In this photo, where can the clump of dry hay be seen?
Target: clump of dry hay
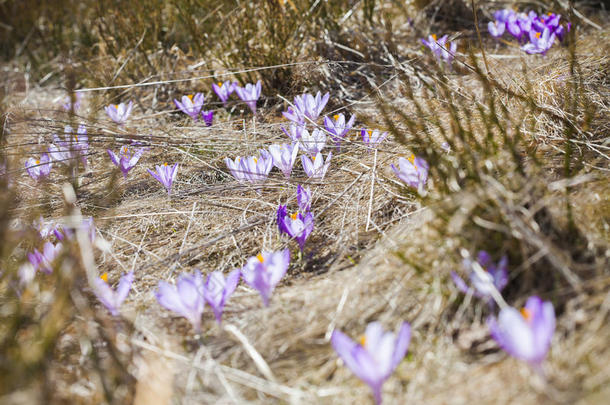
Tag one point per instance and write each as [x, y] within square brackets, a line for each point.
[391, 266]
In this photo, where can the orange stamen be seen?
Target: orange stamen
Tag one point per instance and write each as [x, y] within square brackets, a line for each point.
[336, 117]
[104, 277]
[38, 162]
[537, 35]
[260, 257]
[526, 314]
[165, 164]
[190, 96]
[434, 36]
[294, 216]
[363, 341]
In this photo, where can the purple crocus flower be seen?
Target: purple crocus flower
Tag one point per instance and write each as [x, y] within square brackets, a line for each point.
[119, 112]
[295, 132]
[525, 334]
[71, 147]
[312, 142]
[303, 198]
[42, 260]
[298, 225]
[191, 104]
[68, 105]
[165, 175]
[38, 169]
[224, 90]
[217, 290]
[256, 169]
[338, 128]
[376, 356]
[235, 168]
[413, 172]
[306, 106]
[284, 156]
[112, 299]
[495, 277]
[513, 25]
[372, 139]
[539, 42]
[208, 117]
[265, 270]
[127, 158]
[496, 28]
[440, 49]
[185, 298]
[249, 94]
[62, 232]
[316, 167]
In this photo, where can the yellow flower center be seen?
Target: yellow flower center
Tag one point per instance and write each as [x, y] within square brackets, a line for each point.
[336, 117]
[537, 35]
[117, 106]
[363, 341]
[190, 96]
[260, 257]
[165, 164]
[255, 160]
[294, 216]
[434, 36]
[38, 162]
[104, 277]
[412, 160]
[370, 133]
[526, 314]
[219, 84]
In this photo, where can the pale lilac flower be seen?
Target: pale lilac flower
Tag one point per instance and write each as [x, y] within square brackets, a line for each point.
[38, 169]
[68, 105]
[185, 298]
[525, 334]
[250, 94]
[43, 260]
[191, 105]
[413, 172]
[539, 42]
[295, 132]
[312, 142]
[439, 47]
[255, 169]
[224, 90]
[495, 277]
[217, 290]
[338, 128]
[371, 138]
[376, 356]
[112, 299]
[303, 198]
[496, 28]
[73, 145]
[265, 270]
[316, 167]
[306, 106]
[284, 156]
[208, 117]
[235, 168]
[298, 225]
[127, 158]
[165, 175]
[119, 112]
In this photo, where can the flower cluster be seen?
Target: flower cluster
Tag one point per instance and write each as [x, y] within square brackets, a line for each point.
[536, 32]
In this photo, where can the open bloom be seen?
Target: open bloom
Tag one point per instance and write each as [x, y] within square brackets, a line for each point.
[316, 167]
[312, 142]
[165, 175]
[253, 169]
[208, 117]
[43, 260]
[73, 146]
[496, 28]
[250, 94]
[295, 131]
[303, 198]
[119, 112]
[439, 47]
[126, 159]
[525, 334]
[540, 42]
[306, 106]
[265, 270]
[284, 156]
[413, 172]
[338, 128]
[112, 299]
[376, 356]
[39, 168]
[372, 139]
[217, 290]
[495, 277]
[191, 104]
[224, 90]
[185, 298]
[298, 225]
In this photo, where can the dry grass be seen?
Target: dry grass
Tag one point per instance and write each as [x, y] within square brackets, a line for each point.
[390, 266]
